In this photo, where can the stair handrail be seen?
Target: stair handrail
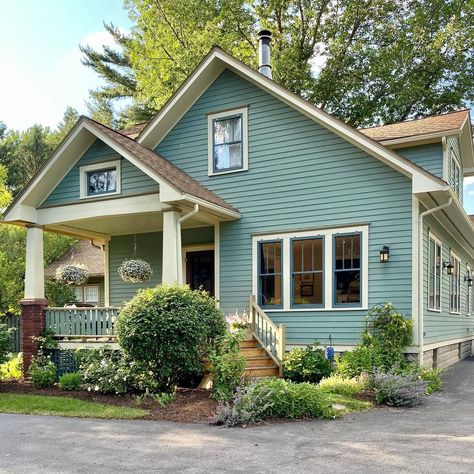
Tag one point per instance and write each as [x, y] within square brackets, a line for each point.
[273, 338]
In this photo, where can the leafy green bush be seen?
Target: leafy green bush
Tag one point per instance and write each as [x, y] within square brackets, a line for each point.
[306, 365]
[275, 398]
[342, 385]
[398, 389]
[433, 379]
[170, 330]
[71, 381]
[12, 369]
[58, 294]
[362, 359]
[42, 372]
[5, 343]
[227, 366]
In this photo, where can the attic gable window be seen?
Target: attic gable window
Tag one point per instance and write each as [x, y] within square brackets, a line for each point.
[227, 135]
[455, 178]
[100, 179]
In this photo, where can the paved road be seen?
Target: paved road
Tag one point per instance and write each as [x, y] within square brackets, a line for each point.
[437, 437]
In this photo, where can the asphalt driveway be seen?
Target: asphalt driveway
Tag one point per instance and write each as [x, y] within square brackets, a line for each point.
[437, 437]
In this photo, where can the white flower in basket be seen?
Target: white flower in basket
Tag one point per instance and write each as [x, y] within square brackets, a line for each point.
[135, 271]
[76, 274]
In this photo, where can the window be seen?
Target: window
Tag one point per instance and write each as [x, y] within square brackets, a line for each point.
[228, 141]
[468, 292]
[455, 285]
[313, 270]
[455, 177]
[100, 179]
[347, 269]
[434, 277]
[307, 271]
[270, 274]
[87, 294]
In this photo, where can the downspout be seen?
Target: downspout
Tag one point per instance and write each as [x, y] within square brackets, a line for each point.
[178, 239]
[420, 276]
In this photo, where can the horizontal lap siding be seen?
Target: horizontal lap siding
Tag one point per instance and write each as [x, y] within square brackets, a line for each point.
[429, 157]
[149, 248]
[300, 176]
[442, 326]
[133, 180]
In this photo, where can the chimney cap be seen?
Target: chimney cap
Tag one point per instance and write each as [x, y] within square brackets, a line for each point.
[264, 33]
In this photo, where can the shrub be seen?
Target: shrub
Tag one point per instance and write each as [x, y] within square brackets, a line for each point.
[5, 343]
[71, 381]
[433, 379]
[170, 330]
[398, 389]
[227, 366]
[362, 359]
[59, 294]
[342, 385]
[275, 398]
[42, 372]
[306, 365]
[12, 368]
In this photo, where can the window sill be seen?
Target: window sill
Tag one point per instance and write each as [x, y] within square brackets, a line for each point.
[219, 173]
[434, 310]
[319, 310]
[100, 196]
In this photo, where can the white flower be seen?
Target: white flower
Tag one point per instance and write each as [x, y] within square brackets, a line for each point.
[76, 274]
[135, 271]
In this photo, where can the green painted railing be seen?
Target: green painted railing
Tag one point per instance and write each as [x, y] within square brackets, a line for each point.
[81, 322]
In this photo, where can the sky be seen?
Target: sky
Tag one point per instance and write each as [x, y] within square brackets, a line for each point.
[40, 62]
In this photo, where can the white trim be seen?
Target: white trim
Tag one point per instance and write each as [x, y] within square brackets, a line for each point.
[416, 139]
[435, 345]
[437, 241]
[469, 291]
[415, 262]
[106, 274]
[217, 261]
[218, 60]
[198, 248]
[327, 235]
[83, 170]
[243, 111]
[453, 255]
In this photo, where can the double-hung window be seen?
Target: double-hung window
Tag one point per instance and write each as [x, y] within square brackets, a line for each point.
[270, 274]
[455, 285]
[455, 178]
[468, 293]
[87, 294]
[347, 269]
[434, 277]
[228, 141]
[307, 281]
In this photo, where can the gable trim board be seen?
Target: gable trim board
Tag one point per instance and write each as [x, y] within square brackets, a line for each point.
[217, 60]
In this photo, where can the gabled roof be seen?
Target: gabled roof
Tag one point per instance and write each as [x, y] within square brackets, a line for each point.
[81, 252]
[134, 130]
[214, 64]
[445, 123]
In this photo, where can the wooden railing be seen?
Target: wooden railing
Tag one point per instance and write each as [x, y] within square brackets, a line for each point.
[81, 322]
[267, 333]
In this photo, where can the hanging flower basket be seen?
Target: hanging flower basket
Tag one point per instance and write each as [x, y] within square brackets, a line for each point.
[135, 271]
[76, 274]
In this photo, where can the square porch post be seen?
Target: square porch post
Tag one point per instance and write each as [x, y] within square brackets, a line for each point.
[171, 246]
[34, 302]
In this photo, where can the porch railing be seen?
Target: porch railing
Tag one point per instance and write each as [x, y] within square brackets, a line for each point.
[267, 333]
[81, 322]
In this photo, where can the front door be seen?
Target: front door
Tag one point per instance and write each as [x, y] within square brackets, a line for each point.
[200, 270]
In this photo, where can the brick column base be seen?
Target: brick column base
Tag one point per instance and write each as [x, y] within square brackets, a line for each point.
[33, 323]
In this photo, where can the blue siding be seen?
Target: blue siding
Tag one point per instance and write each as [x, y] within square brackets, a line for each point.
[442, 326]
[300, 176]
[429, 157]
[133, 180]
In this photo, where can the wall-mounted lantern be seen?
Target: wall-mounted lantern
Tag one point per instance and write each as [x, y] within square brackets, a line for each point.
[468, 279]
[449, 267]
[384, 254]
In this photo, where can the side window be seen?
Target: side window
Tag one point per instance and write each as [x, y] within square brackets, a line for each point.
[270, 274]
[347, 270]
[434, 277]
[455, 285]
[228, 143]
[100, 179]
[456, 176]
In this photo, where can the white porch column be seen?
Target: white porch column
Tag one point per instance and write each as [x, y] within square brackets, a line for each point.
[34, 273]
[171, 246]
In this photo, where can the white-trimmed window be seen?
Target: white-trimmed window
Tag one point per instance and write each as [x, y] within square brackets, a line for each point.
[100, 179]
[434, 274]
[468, 292]
[455, 285]
[456, 176]
[87, 294]
[315, 270]
[228, 141]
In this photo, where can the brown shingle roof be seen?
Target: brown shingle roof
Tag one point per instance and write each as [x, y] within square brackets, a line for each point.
[176, 177]
[81, 252]
[437, 123]
[134, 130]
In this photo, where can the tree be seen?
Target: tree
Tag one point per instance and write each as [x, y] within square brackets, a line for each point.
[70, 117]
[365, 61]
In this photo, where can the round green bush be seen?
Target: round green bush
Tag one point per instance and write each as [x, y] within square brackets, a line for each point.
[306, 365]
[4, 342]
[71, 381]
[170, 329]
[42, 372]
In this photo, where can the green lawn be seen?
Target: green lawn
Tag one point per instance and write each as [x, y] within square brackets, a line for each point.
[65, 406]
[346, 404]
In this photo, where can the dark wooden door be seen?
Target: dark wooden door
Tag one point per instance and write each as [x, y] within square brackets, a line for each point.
[200, 270]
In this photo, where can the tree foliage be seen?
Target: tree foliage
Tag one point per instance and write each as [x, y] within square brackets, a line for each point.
[365, 61]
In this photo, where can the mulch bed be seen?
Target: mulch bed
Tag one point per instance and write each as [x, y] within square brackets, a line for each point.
[364, 396]
[189, 406]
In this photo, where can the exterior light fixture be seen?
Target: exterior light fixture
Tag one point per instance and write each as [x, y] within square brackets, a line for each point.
[469, 280]
[384, 254]
[449, 267]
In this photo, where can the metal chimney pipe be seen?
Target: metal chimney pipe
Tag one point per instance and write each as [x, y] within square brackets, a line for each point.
[264, 39]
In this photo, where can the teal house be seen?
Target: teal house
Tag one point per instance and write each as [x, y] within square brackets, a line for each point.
[275, 207]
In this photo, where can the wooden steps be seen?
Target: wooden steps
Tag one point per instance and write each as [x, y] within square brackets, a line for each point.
[257, 362]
